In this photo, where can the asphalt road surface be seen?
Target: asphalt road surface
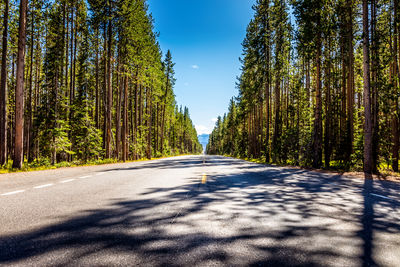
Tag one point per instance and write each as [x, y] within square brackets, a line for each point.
[196, 211]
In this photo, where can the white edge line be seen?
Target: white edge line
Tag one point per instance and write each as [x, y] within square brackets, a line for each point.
[84, 177]
[67, 181]
[43, 186]
[100, 173]
[12, 193]
[379, 196]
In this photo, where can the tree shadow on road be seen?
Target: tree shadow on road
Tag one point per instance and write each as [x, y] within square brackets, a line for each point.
[245, 217]
[368, 221]
[176, 163]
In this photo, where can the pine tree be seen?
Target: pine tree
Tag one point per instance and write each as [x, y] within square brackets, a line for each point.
[314, 85]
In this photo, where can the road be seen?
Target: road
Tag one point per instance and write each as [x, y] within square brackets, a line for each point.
[197, 211]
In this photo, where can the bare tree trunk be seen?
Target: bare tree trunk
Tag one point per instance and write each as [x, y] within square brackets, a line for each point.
[19, 90]
[317, 134]
[120, 90]
[328, 109]
[36, 98]
[149, 121]
[28, 125]
[308, 82]
[267, 85]
[374, 88]
[109, 92]
[97, 107]
[136, 125]
[73, 66]
[368, 160]
[260, 125]
[157, 128]
[140, 121]
[104, 92]
[125, 120]
[395, 133]
[350, 82]
[71, 85]
[66, 46]
[11, 115]
[163, 114]
[395, 114]
[343, 102]
[3, 90]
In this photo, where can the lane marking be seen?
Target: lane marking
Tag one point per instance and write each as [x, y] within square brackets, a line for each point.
[13, 192]
[380, 196]
[100, 173]
[204, 179]
[84, 177]
[43, 186]
[67, 181]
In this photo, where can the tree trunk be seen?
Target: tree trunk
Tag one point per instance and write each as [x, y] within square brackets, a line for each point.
[395, 113]
[350, 82]
[368, 160]
[19, 90]
[29, 104]
[109, 92]
[149, 121]
[66, 46]
[120, 91]
[317, 135]
[374, 88]
[343, 102]
[328, 126]
[71, 90]
[97, 106]
[3, 90]
[163, 113]
[140, 122]
[157, 128]
[308, 82]
[104, 92]
[125, 120]
[38, 64]
[136, 125]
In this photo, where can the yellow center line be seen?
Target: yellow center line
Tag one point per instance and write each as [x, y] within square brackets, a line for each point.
[204, 178]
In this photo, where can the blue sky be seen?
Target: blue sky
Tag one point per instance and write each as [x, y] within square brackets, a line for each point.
[205, 38]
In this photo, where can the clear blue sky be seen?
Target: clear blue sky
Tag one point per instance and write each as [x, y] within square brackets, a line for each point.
[205, 38]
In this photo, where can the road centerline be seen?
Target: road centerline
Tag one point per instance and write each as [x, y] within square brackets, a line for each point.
[13, 193]
[86, 176]
[43, 186]
[67, 181]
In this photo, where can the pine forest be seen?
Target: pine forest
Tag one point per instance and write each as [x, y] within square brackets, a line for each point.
[86, 80]
[319, 86]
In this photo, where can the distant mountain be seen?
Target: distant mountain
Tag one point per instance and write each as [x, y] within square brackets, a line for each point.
[203, 139]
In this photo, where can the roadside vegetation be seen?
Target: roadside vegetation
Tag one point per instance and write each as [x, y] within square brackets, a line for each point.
[45, 164]
[319, 91]
[85, 81]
